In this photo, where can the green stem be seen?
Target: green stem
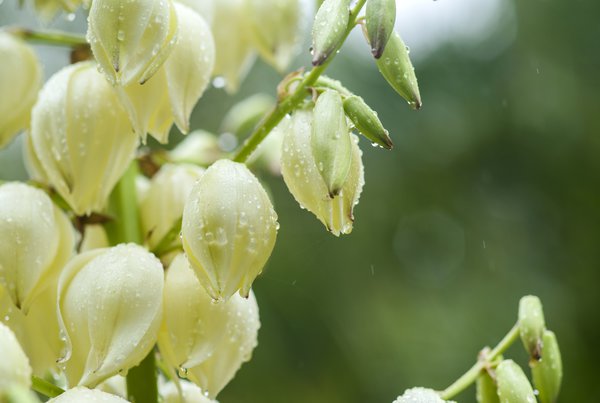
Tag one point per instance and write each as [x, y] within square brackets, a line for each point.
[126, 226]
[142, 381]
[165, 245]
[56, 38]
[471, 375]
[44, 387]
[293, 100]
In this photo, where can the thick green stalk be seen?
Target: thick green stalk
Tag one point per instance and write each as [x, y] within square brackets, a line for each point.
[56, 38]
[471, 375]
[142, 381]
[293, 100]
[44, 387]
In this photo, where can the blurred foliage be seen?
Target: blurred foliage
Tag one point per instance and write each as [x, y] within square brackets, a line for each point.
[491, 192]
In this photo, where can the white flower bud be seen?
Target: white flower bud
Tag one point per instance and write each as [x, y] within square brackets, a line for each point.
[190, 393]
[14, 365]
[37, 242]
[131, 39]
[20, 80]
[303, 179]
[206, 8]
[81, 136]
[229, 229]
[47, 9]
[419, 395]
[234, 53]
[275, 29]
[18, 394]
[94, 237]
[199, 147]
[110, 308]
[206, 341]
[162, 206]
[81, 394]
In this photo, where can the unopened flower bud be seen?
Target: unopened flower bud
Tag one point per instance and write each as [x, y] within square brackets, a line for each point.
[94, 237]
[531, 324]
[234, 52]
[303, 179]
[199, 147]
[246, 114]
[206, 8]
[547, 372]
[229, 229]
[330, 141]
[131, 39]
[329, 29]
[38, 241]
[419, 395]
[395, 66]
[367, 122]
[14, 365]
[81, 394]
[380, 18]
[81, 136]
[206, 341]
[487, 392]
[190, 393]
[274, 29]
[513, 385]
[110, 308]
[20, 80]
[162, 205]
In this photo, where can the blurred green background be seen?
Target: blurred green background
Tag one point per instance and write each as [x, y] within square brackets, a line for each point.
[492, 192]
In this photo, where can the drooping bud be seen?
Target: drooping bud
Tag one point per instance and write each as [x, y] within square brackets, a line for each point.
[380, 18]
[246, 114]
[190, 393]
[20, 80]
[330, 141]
[131, 39]
[367, 122]
[303, 179]
[487, 392]
[329, 29]
[110, 308]
[81, 394]
[547, 372]
[162, 205]
[37, 241]
[14, 365]
[199, 147]
[513, 385]
[419, 395]
[229, 229]
[274, 27]
[395, 66]
[206, 341]
[81, 136]
[234, 52]
[531, 324]
[206, 8]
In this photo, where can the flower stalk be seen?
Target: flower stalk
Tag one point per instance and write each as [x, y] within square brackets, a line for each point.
[55, 38]
[44, 387]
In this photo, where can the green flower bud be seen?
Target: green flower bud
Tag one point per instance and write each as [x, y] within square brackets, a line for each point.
[419, 395]
[531, 324]
[110, 308]
[487, 392]
[234, 52]
[131, 39]
[380, 16]
[14, 365]
[199, 147]
[162, 205]
[329, 29]
[190, 393]
[397, 69]
[330, 141]
[38, 241]
[274, 29]
[20, 80]
[229, 229]
[206, 341]
[303, 179]
[547, 372]
[513, 385]
[81, 394]
[367, 122]
[81, 137]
